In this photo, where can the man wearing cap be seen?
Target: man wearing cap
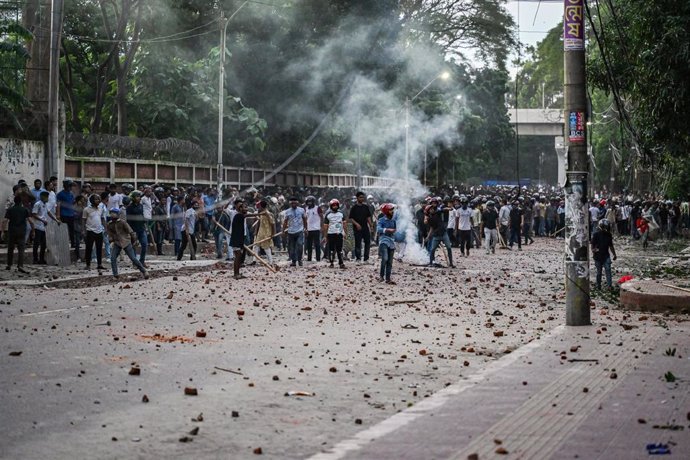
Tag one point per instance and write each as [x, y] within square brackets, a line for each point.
[65, 209]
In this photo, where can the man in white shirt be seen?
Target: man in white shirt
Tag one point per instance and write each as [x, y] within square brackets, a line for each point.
[39, 215]
[147, 205]
[115, 199]
[95, 227]
[504, 222]
[476, 223]
[52, 197]
[463, 225]
[314, 223]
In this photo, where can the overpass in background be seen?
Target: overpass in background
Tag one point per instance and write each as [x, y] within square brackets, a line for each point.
[542, 122]
[537, 122]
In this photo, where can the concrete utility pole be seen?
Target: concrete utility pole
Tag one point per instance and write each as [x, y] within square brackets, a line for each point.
[577, 173]
[53, 163]
[221, 101]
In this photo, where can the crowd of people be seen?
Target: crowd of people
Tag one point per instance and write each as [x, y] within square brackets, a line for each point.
[316, 223]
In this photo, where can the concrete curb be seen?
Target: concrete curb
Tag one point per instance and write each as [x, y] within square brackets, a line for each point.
[655, 296]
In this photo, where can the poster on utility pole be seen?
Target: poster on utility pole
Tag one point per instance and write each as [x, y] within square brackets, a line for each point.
[574, 26]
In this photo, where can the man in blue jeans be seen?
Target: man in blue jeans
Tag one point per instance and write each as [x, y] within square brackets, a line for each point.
[601, 242]
[65, 209]
[386, 228]
[438, 234]
[135, 218]
[122, 237]
[295, 225]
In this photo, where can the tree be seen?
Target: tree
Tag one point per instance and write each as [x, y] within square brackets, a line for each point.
[641, 57]
[13, 55]
[540, 77]
[461, 25]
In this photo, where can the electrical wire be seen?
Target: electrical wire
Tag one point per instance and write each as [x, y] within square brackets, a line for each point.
[625, 118]
[164, 38]
[105, 40]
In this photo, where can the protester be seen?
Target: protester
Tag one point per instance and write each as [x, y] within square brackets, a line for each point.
[438, 235]
[314, 224]
[361, 218]
[95, 227]
[136, 220]
[40, 215]
[385, 229]
[123, 238]
[65, 209]
[295, 225]
[516, 223]
[237, 234]
[264, 234]
[188, 229]
[489, 221]
[504, 224]
[602, 242]
[463, 225]
[18, 219]
[334, 229]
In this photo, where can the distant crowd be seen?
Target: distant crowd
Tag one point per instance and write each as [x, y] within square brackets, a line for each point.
[306, 222]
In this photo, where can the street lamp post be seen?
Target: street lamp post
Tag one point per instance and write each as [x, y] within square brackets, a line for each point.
[408, 102]
[221, 84]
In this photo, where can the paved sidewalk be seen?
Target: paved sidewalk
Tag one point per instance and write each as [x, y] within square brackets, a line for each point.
[586, 392]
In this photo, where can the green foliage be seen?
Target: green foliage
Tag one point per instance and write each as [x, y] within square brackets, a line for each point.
[540, 79]
[647, 47]
[13, 55]
[290, 61]
[669, 377]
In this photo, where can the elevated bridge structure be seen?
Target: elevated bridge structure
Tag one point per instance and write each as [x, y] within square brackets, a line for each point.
[537, 122]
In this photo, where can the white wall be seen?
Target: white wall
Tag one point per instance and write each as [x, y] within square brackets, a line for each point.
[19, 159]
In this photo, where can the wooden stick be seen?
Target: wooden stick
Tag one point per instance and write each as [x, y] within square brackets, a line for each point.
[557, 232]
[255, 242]
[396, 302]
[268, 238]
[263, 262]
[676, 287]
[222, 228]
[500, 239]
[189, 242]
[227, 370]
[443, 251]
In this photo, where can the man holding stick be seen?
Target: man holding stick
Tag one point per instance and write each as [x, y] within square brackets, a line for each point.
[237, 233]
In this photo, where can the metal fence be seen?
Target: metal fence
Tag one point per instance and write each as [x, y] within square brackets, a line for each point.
[102, 171]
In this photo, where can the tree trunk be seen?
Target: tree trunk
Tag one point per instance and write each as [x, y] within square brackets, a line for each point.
[67, 78]
[36, 19]
[122, 71]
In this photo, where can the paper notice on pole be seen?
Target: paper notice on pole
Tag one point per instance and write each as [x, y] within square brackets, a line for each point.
[57, 244]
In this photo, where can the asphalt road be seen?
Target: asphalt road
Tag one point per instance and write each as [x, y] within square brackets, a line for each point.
[360, 350]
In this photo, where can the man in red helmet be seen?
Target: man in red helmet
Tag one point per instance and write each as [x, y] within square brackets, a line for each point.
[385, 229]
[334, 229]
